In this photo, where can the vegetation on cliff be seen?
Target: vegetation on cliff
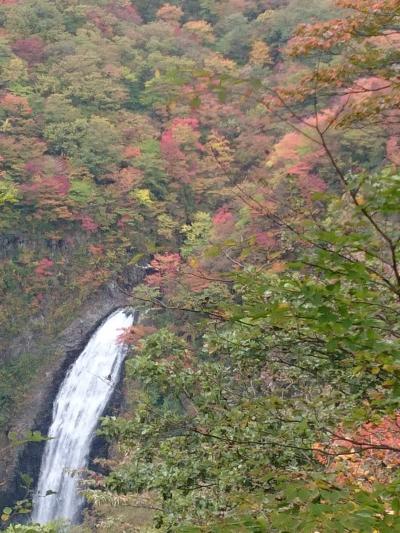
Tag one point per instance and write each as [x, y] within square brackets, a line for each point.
[250, 149]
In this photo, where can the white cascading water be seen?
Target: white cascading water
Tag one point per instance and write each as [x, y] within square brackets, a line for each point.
[81, 400]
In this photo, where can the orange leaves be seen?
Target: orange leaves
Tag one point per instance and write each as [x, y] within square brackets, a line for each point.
[370, 6]
[322, 36]
[169, 13]
[169, 271]
[194, 278]
[260, 54]
[93, 278]
[370, 26]
[289, 148]
[278, 267]
[134, 334]
[360, 23]
[166, 267]
[298, 155]
[370, 453]
[201, 30]
[131, 152]
[97, 250]
[127, 179]
[15, 104]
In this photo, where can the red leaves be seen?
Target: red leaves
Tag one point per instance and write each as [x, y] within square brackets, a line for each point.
[43, 268]
[170, 147]
[166, 268]
[178, 145]
[393, 150]
[44, 187]
[48, 178]
[124, 11]
[188, 122]
[88, 224]
[30, 50]
[181, 131]
[222, 216]
[311, 183]
[265, 239]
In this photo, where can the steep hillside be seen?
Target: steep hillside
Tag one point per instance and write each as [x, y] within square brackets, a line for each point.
[248, 151]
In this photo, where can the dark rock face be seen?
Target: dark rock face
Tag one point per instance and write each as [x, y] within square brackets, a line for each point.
[68, 347]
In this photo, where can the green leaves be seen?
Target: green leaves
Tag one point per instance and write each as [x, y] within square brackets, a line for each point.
[6, 514]
[229, 424]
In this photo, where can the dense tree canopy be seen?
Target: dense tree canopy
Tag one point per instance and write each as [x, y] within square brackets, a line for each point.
[248, 150]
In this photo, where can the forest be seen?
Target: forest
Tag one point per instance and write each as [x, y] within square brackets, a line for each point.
[244, 155]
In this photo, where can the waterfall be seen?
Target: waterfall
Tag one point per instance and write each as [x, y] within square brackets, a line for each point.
[81, 400]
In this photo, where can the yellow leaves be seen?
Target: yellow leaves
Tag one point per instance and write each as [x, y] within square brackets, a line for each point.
[360, 199]
[193, 262]
[185, 134]
[265, 16]
[6, 126]
[143, 196]
[392, 368]
[260, 54]
[219, 147]
[201, 29]
[166, 226]
[16, 70]
[218, 64]
[8, 192]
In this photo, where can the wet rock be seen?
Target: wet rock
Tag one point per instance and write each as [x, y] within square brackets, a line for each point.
[67, 347]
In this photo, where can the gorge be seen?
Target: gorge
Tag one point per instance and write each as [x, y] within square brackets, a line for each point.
[82, 398]
[229, 169]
